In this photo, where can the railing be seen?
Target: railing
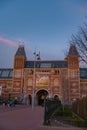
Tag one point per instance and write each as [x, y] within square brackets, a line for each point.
[50, 105]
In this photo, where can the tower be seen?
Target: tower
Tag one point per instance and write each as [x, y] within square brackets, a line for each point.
[18, 71]
[73, 74]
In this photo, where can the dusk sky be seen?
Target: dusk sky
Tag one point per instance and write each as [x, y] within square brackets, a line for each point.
[44, 25]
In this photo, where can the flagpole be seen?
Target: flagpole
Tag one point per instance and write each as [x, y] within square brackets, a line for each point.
[34, 82]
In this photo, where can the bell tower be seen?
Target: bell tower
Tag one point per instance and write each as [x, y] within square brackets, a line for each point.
[18, 74]
[73, 74]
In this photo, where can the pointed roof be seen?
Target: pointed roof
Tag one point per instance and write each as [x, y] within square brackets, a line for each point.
[21, 51]
[73, 50]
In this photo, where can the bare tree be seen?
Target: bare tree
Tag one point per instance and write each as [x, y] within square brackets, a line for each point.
[80, 40]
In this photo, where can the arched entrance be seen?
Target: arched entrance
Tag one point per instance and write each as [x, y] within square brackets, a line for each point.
[30, 99]
[40, 96]
[56, 97]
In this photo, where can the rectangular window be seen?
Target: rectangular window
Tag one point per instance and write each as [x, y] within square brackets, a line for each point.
[5, 73]
[74, 73]
[9, 85]
[17, 74]
[11, 73]
[45, 65]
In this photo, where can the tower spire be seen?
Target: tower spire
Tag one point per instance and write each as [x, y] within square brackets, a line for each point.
[20, 51]
[73, 51]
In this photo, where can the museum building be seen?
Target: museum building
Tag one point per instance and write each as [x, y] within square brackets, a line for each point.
[40, 79]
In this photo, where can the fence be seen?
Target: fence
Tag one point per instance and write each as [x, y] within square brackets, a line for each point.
[80, 107]
[50, 106]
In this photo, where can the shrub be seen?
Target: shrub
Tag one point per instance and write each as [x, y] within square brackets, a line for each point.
[69, 117]
[63, 111]
[78, 122]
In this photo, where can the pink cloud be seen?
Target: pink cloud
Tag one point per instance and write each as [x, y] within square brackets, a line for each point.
[7, 41]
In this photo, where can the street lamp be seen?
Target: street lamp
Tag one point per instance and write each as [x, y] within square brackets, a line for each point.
[36, 57]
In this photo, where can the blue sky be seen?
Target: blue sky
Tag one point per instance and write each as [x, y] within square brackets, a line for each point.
[46, 25]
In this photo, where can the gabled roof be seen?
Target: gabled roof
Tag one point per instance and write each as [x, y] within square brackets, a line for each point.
[73, 50]
[20, 51]
[6, 73]
[46, 64]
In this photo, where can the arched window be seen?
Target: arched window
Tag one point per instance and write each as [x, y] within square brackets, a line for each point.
[56, 97]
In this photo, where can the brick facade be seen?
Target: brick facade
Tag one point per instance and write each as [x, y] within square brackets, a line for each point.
[43, 78]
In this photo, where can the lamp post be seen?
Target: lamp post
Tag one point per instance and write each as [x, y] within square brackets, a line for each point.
[36, 57]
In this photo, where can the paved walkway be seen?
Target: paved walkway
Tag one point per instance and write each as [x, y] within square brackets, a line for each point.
[24, 118]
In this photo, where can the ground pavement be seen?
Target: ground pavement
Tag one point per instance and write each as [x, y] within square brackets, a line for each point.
[25, 118]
